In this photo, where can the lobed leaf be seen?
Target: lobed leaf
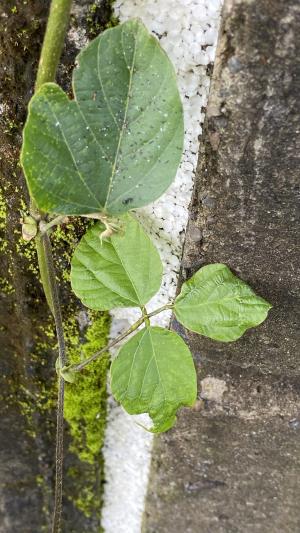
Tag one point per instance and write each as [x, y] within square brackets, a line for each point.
[118, 144]
[219, 305]
[154, 373]
[104, 273]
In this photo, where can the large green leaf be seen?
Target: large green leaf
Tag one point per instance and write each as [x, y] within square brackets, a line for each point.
[154, 373]
[219, 305]
[104, 272]
[118, 144]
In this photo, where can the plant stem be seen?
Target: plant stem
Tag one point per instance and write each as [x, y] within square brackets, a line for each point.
[52, 285]
[46, 226]
[57, 25]
[58, 20]
[145, 318]
[81, 366]
[160, 310]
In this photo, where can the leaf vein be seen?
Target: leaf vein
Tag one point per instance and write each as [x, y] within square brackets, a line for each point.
[123, 125]
[102, 87]
[71, 154]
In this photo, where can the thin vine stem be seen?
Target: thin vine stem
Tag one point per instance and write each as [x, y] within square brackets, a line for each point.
[57, 24]
[61, 385]
[145, 318]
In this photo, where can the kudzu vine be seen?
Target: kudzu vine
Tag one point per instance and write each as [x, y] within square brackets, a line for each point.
[113, 148]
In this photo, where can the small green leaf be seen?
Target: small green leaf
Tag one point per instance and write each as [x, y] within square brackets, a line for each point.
[154, 373]
[118, 144]
[219, 305]
[123, 270]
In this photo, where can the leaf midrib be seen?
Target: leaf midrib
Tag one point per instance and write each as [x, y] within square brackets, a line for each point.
[128, 274]
[133, 361]
[124, 122]
[101, 282]
[157, 368]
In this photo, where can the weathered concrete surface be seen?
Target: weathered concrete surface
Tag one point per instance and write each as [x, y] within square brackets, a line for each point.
[28, 346]
[233, 463]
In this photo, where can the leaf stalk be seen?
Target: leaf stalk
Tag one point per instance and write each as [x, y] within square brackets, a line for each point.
[144, 318]
[44, 226]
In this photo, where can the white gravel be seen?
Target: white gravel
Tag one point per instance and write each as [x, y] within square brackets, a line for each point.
[187, 29]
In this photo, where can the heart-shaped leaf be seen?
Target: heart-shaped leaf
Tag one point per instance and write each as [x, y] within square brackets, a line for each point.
[115, 147]
[219, 305]
[154, 373]
[104, 272]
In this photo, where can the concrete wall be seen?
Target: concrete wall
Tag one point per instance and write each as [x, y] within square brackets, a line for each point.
[233, 463]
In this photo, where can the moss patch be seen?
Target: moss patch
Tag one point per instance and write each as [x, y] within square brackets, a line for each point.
[85, 409]
[100, 16]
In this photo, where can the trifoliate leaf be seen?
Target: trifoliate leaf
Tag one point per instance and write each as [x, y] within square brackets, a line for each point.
[154, 373]
[219, 305]
[104, 271]
[118, 144]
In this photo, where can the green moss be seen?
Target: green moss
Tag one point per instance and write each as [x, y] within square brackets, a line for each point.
[65, 237]
[6, 287]
[100, 17]
[3, 211]
[85, 409]
[27, 251]
[3, 215]
[85, 406]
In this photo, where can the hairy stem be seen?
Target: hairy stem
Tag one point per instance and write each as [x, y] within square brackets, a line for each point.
[58, 20]
[145, 318]
[57, 25]
[80, 366]
[53, 289]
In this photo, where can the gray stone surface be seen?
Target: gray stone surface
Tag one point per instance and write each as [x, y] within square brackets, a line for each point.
[232, 464]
